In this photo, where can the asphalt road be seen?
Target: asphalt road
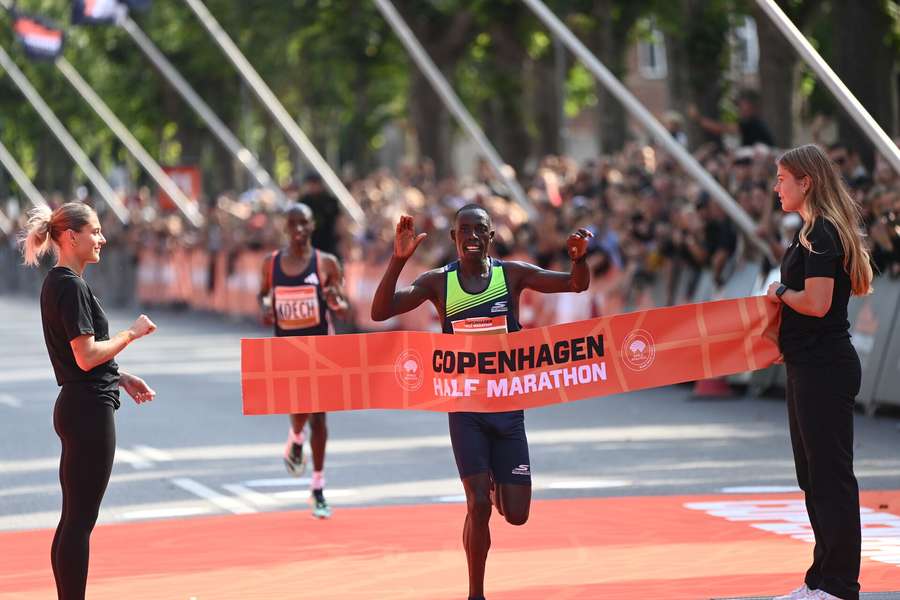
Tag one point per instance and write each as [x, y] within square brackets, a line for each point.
[191, 451]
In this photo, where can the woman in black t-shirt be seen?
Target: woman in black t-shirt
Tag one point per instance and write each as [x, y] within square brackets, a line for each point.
[82, 354]
[824, 265]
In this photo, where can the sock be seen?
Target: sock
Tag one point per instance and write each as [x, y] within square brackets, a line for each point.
[317, 482]
[297, 438]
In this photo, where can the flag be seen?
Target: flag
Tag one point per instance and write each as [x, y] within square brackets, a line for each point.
[41, 39]
[96, 12]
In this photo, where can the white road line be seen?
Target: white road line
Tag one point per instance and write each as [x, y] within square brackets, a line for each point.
[228, 503]
[135, 460]
[250, 496]
[165, 513]
[280, 482]
[151, 453]
[10, 400]
[760, 489]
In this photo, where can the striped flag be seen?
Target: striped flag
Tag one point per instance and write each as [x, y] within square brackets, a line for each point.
[96, 12]
[40, 38]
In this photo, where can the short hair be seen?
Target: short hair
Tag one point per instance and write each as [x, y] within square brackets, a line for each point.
[471, 206]
[295, 207]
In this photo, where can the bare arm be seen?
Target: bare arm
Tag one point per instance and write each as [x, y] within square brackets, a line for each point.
[813, 301]
[554, 282]
[89, 352]
[389, 301]
[265, 290]
[333, 285]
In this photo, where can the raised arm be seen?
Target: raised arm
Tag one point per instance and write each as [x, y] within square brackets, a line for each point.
[554, 282]
[389, 301]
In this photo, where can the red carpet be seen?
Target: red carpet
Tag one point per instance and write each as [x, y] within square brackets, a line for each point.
[615, 548]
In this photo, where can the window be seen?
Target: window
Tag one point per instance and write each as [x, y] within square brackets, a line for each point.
[745, 46]
[652, 54]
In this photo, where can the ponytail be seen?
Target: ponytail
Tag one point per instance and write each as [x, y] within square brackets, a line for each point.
[35, 239]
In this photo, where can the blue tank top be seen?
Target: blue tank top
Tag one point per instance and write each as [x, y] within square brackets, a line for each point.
[298, 300]
[488, 312]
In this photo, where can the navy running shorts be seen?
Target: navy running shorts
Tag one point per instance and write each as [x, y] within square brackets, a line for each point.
[491, 442]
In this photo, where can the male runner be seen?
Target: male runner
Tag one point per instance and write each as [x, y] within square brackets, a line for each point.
[491, 449]
[300, 284]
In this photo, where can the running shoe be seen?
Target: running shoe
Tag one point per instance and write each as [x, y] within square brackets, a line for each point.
[294, 460]
[821, 595]
[321, 510]
[801, 593]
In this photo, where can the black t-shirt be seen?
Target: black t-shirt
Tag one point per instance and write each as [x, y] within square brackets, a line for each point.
[325, 211]
[755, 131]
[806, 339]
[68, 310]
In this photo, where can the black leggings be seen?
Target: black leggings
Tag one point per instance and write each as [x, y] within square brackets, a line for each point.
[87, 429]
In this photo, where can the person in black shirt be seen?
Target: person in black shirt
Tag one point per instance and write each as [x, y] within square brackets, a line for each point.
[82, 354]
[326, 213]
[825, 264]
[750, 126]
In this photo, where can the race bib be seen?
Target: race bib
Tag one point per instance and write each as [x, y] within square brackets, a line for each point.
[297, 307]
[480, 325]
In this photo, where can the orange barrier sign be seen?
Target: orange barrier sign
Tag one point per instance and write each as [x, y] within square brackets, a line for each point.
[492, 373]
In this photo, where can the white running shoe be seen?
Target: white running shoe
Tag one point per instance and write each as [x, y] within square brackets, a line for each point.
[821, 595]
[801, 593]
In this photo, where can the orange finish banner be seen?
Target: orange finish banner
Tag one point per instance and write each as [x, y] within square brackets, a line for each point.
[492, 373]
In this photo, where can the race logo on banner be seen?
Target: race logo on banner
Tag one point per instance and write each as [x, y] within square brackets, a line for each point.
[97, 12]
[493, 373]
[40, 38]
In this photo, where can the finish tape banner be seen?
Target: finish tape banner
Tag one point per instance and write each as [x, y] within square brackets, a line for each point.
[409, 370]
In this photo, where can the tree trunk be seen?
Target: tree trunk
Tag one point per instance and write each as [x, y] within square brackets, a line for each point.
[548, 96]
[696, 56]
[431, 120]
[610, 44]
[777, 73]
[865, 63]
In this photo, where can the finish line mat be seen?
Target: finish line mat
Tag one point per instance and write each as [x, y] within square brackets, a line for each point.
[492, 373]
[667, 548]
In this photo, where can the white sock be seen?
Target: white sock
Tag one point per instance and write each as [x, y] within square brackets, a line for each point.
[297, 438]
[317, 482]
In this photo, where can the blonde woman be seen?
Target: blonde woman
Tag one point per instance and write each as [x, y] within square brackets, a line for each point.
[82, 354]
[822, 268]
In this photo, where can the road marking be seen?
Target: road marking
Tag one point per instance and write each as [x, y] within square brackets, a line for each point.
[132, 458]
[152, 454]
[165, 513]
[10, 400]
[250, 496]
[760, 489]
[280, 482]
[228, 503]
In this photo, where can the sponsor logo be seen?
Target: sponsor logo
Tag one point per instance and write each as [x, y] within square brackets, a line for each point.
[499, 307]
[638, 350]
[522, 470]
[408, 370]
[312, 278]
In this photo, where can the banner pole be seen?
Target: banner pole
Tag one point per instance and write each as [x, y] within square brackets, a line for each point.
[452, 102]
[9, 163]
[215, 124]
[65, 138]
[651, 124]
[277, 110]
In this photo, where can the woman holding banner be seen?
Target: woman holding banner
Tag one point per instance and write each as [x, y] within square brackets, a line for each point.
[82, 354]
[477, 294]
[824, 265]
